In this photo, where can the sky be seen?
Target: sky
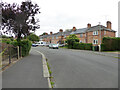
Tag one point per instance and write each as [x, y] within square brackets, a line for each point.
[64, 14]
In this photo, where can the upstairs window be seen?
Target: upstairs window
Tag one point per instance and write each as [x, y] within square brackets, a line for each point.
[95, 32]
[81, 35]
[52, 37]
[104, 32]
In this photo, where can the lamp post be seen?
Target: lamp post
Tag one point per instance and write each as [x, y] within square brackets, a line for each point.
[100, 38]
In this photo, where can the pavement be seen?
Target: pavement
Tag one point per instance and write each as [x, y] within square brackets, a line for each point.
[81, 69]
[26, 73]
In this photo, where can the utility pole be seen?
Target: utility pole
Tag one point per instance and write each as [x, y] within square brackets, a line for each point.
[100, 37]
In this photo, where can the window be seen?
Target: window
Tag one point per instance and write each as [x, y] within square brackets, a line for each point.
[84, 41]
[95, 32]
[104, 32]
[52, 37]
[95, 41]
[81, 35]
[56, 37]
[80, 41]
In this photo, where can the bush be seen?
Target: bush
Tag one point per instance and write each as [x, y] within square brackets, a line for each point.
[110, 44]
[24, 44]
[82, 46]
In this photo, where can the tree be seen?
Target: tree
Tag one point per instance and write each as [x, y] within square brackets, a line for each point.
[71, 39]
[33, 37]
[43, 33]
[20, 19]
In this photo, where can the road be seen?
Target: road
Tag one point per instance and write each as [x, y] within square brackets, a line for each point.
[77, 69]
[26, 73]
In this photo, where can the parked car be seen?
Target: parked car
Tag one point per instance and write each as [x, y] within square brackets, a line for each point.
[61, 45]
[47, 45]
[41, 43]
[34, 45]
[54, 46]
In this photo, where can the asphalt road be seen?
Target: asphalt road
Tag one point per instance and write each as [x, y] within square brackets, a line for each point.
[77, 69]
[26, 73]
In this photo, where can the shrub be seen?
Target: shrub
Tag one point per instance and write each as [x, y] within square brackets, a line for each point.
[82, 46]
[71, 39]
[26, 46]
[88, 46]
[110, 44]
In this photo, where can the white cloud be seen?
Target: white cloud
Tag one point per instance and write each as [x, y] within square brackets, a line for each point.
[64, 14]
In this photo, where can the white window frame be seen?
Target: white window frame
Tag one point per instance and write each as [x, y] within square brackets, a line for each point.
[80, 41]
[96, 41]
[52, 37]
[64, 36]
[104, 32]
[95, 32]
[81, 35]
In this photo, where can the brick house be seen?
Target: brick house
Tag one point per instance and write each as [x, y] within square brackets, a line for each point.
[90, 34]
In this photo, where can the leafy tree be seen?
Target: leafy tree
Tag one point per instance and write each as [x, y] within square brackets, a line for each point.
[19, 19]
[71, 39]
[33, 37]
[44, 33]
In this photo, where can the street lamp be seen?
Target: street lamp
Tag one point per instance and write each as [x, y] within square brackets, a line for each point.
[100, 37]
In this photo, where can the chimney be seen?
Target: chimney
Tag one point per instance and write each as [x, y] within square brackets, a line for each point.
[74, 28]
[50, 33]
[60, 30]
[88, 25]
[109, 24]
[46, 33]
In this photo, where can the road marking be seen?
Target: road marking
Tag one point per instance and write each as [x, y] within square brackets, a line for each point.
[45, 68]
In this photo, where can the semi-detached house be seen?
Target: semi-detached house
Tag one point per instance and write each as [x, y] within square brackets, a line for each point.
[90, 34]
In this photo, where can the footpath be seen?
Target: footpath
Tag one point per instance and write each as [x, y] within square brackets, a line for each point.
[26, 73]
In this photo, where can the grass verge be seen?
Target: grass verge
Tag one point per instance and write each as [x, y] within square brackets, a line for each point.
[52, 82]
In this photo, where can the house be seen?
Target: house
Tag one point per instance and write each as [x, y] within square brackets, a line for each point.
[90, 34]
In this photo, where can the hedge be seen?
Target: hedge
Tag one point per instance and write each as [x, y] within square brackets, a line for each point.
[82, 46]
[25, 44]
[110, 44]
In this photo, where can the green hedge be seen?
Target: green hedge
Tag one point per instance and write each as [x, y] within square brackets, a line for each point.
[82, 46]
[110, 44]
[25, 44]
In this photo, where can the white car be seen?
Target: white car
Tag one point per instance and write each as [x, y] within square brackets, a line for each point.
[41, 43]
[54, 46]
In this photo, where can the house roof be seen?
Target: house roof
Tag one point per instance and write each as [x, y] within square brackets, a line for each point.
[67, 33]
[78, 31]
[99, 27]
[82, 30]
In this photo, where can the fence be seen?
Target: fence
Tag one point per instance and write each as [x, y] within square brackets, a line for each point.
[9, 54]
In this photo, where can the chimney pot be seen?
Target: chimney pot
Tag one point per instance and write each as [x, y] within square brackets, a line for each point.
[60, 30]
[109, 24]
[74, 28]
[51, 33]
[88, 25]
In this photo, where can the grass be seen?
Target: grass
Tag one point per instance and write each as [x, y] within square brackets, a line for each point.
[50, 72]
[64, 47]
[110, 51]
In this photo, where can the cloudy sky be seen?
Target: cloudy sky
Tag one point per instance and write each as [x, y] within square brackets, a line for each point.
[64, 14]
